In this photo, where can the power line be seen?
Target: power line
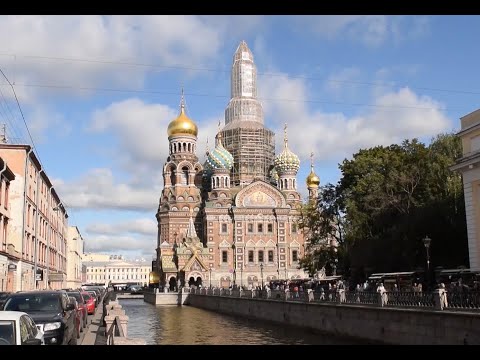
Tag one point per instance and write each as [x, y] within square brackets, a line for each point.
[271, 74]
[23, 117]
[8, 109]
[160, 92]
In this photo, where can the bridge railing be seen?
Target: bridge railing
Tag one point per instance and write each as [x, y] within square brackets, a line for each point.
[438, 299]
[116, 330]
[116, 326]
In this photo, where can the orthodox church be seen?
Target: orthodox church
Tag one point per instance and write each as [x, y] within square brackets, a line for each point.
[231, 220]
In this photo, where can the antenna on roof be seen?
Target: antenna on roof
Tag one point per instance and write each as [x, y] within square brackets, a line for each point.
[3, 135]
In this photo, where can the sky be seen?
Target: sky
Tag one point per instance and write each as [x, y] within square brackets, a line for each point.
[97, 94]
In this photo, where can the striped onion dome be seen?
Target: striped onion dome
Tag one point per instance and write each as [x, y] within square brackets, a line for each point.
[219, 158]
[286, 161]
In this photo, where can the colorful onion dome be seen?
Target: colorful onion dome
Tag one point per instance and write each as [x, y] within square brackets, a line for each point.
[286, 161]
[219, 158]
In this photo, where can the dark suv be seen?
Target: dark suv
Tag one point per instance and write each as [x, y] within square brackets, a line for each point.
[52, 312]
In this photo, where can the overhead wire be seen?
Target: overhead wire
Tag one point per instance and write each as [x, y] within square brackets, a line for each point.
[271, 74]
[23, 117]
[161, 92]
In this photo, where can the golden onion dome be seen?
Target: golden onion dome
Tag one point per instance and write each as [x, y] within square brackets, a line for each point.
[182, 125]
[312, 179]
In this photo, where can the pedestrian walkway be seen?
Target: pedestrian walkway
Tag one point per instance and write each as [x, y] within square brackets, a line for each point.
[95, 332]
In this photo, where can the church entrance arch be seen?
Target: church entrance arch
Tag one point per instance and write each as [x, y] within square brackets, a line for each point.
[195, 278]
[172, 283]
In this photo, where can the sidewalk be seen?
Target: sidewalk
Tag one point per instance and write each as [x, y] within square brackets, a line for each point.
[95, 333]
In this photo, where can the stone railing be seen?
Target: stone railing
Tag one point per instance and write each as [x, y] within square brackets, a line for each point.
[116, 326]
[437, 300]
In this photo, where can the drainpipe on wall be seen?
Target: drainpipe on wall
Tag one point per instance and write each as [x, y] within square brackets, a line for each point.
[24, 206]
[278, 243]
[50, 232]
[1, 174]
[36, 230]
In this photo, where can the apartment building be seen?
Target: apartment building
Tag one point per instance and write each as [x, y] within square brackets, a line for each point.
[36, 235]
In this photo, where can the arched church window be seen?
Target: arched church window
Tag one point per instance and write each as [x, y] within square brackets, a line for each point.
[184, 176]
[173, 179]
[189, 145]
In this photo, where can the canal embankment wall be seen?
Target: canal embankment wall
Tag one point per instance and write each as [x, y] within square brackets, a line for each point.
[376, 324]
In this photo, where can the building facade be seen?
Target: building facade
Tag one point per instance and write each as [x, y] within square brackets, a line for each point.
[233, 219]
[8, 257]
[469, 166]
[75, 246]
[117, 271]
[37, 230]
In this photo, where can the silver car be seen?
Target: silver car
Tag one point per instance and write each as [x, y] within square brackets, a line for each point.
[18, 328]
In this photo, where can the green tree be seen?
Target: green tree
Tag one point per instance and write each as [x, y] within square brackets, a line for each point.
[323, 223]
[397, 195]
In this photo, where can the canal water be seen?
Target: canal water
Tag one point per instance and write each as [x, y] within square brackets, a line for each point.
[185, 325]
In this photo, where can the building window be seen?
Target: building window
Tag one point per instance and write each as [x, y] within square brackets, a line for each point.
[224, 256]
[294, 228]
[260, 256]
[270, 255]
[224, 228]
[270, 228]
[250, 256]
[294, 255]
[260, 228]
[250, 228]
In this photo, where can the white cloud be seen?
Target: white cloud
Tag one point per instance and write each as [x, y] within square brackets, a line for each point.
[121, 244]
[98, 190]
[371, 30]
[342, 83]
[145, 147]
[79, 52]
[87, 48]
[395, 116]
[41, 119]
[144, 226]
[140, 128]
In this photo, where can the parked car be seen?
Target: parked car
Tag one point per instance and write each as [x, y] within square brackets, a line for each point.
[3, 297]
[93, 294]
[136, 289]
[18, 328]
[82, 307]
[78, 316]
[89, 301]
[52, 312]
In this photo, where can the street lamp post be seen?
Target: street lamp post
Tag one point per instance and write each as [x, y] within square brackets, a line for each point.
[426, 243]
[241, 276]
[210, 270]
[261, 273]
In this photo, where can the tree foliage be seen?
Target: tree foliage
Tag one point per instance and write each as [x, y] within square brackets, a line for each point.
[387, 200]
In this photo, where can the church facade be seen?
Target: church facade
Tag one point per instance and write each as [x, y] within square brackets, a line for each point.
[231, 220]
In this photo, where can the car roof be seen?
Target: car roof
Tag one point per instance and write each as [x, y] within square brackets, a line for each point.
[11, 315]
[49, 292]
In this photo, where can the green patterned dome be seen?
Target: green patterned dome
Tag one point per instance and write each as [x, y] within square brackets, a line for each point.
[286, 161]
[219, 158]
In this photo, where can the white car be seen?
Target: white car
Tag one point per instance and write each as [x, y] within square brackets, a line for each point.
[18, 328]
